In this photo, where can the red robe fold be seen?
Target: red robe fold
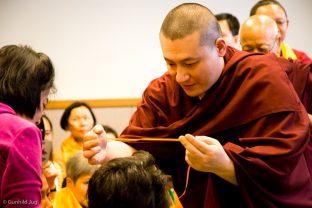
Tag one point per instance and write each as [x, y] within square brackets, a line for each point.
[300, 75]
[302, 56]
[255, 113]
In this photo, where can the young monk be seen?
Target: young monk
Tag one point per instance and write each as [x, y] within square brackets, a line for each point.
[242, 127]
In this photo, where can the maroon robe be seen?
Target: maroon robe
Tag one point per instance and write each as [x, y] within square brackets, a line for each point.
[255, 113]
[300, 75]
[302, 56]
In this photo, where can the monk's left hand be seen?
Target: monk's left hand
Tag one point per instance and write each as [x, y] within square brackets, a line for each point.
[206, 154]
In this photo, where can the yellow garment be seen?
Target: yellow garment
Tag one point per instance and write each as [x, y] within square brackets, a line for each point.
[287, 52]
[60, 167]
[65, 199]
[69, 148]
[174, 199]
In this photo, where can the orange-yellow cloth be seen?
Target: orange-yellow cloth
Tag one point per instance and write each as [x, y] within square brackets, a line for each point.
[174, 199]
[287, 52]
[65, 199]
[69, 147]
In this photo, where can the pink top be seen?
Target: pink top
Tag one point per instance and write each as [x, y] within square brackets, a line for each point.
[20, 160]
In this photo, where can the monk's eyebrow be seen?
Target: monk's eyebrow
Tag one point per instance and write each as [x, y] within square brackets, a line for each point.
[183, 60]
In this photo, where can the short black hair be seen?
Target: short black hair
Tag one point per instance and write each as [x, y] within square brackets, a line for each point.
[231, 20]
[67, 111]
[24, 75]
[187, 18]
[109, 129]
[264, 3]
[133, 181]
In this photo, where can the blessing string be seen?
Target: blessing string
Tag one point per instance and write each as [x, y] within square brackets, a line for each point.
[128, 140]
[186, 182]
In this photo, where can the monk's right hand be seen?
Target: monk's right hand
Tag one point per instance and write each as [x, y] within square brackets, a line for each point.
[94, 145]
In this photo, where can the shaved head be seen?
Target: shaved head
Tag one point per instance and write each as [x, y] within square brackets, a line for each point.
[259, 33]
[188, 18]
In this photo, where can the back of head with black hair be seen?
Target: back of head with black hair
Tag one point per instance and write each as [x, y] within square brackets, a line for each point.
[231, 20]
[188, 18]
[128, 182]
[25, 74]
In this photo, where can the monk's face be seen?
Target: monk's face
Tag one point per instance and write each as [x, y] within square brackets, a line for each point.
[256, 39]
[227, 35]
[278, 15]
[195, 67]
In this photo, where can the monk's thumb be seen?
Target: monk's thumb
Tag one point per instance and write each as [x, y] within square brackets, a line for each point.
[98, 129]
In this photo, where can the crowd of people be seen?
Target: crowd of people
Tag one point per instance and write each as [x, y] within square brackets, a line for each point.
[229, 124]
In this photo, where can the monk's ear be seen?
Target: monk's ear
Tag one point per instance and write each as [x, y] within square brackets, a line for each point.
[221, 47]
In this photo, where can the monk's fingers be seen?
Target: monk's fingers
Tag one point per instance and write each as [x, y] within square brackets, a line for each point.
[90, 144]
[196, 162]
[202, 144]
[95, 133]
[98, 129]
[206, 145]
[208, 140]
[91, 155]
[189, 146]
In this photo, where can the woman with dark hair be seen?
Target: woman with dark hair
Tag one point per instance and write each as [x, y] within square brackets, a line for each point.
[27, 78]
[78, 118]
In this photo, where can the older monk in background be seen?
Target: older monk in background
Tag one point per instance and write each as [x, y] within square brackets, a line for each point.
[277, 12]
[259, 33]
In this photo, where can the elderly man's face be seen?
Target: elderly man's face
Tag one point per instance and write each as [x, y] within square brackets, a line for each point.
[263, 41]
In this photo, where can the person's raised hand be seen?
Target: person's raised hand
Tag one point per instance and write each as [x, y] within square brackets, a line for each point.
[94, 145]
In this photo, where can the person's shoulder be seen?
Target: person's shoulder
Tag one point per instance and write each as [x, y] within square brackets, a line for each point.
[68, 141]
[234, 57]
[16, 125]
[161, 84]
[244, 62]
[65, 198]
[164, 78]
[302, 56]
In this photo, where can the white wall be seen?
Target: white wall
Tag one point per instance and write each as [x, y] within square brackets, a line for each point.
[110, 49]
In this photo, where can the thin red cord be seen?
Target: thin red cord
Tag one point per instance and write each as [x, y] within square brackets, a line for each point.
[186, 183]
